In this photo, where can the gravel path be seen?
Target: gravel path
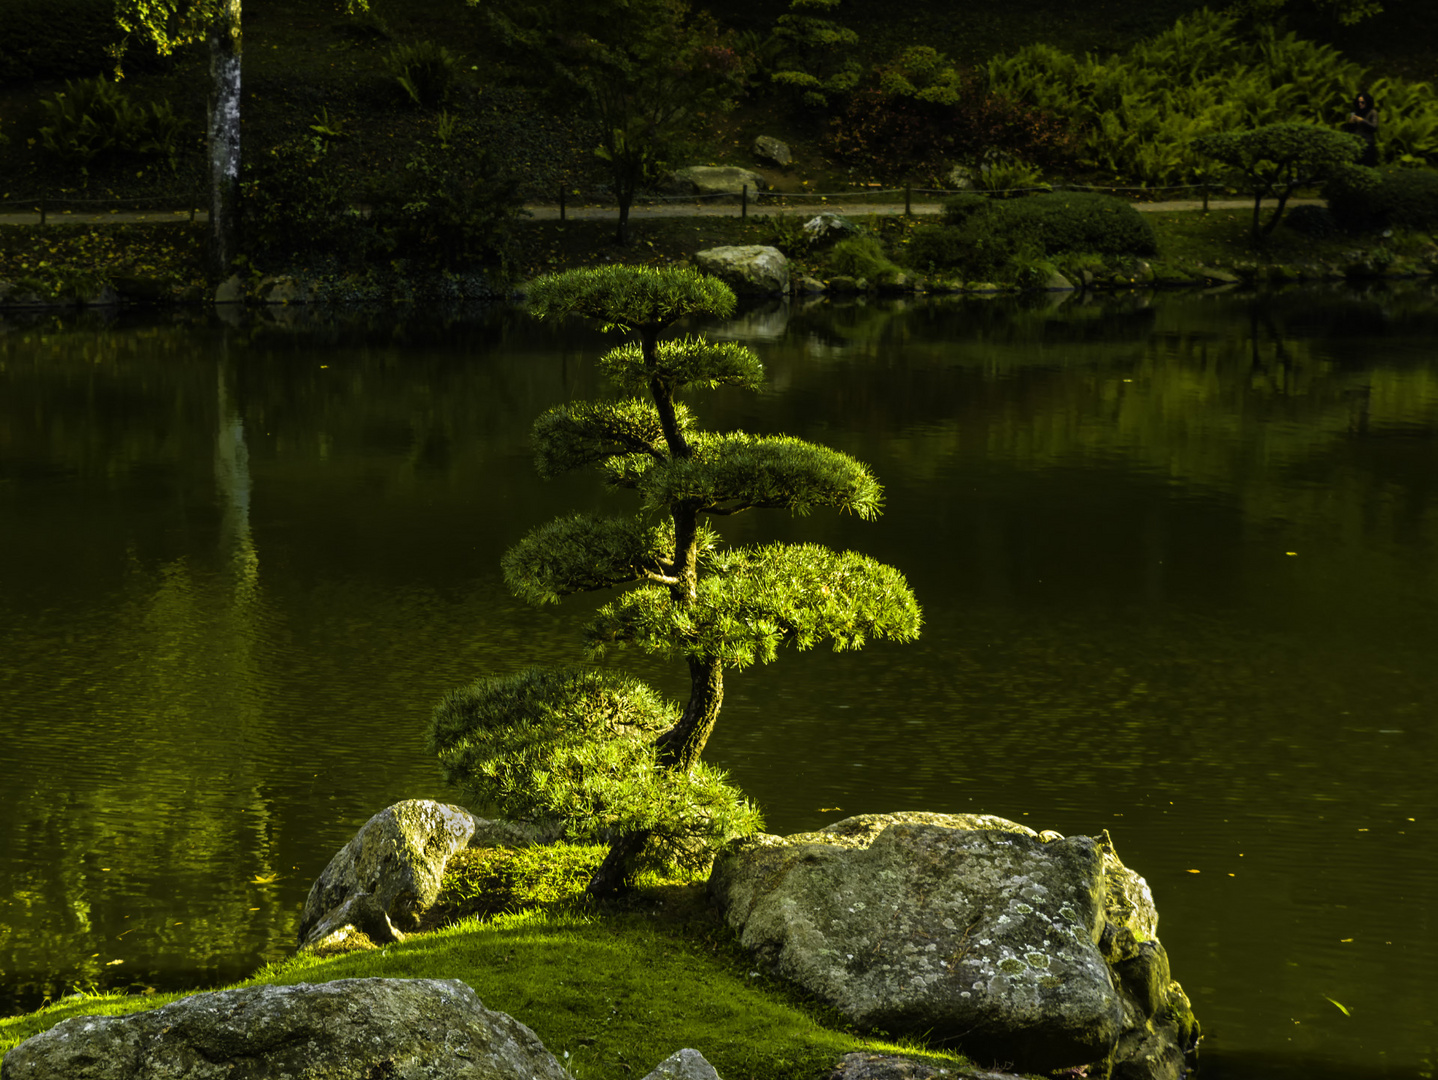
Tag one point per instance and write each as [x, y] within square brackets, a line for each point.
[550, 212]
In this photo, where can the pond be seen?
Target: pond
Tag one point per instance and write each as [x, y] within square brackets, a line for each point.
[1178, 558]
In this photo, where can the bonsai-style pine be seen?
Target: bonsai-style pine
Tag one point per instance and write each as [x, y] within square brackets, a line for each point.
[601, 754]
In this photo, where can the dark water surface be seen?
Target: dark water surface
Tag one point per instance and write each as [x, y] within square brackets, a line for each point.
[1178, 561]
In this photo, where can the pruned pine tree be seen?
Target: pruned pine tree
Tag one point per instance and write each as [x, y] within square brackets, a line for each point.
[602, 754]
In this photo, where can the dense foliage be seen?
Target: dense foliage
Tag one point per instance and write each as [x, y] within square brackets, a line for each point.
[1277, 159]
[646, 72]
[93, 120]
[603, 756]
[980, 237]
[920, 113]
[1139, 114]
[1362, 198]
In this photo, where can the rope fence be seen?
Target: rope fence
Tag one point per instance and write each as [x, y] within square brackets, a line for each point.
[47, 205]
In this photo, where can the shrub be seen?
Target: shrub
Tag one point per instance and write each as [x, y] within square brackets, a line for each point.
[429, 74]
[862, 257]
[1080, 221]
[1315, 222]
[981, 249]
[94, 119]
[293, 204]
[921, 111]
[959, 208]
[1409, 198]
[1350, 193]
[987, 239]
[1362, 198]
[449, 209]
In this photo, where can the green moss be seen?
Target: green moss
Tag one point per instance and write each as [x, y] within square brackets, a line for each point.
[619, 986]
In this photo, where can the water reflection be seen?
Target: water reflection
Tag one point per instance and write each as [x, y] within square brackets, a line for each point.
[1177, 560]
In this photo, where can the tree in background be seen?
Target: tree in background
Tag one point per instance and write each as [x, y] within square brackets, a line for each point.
[168, 24]
[813, 52]
[1338, 12]
[646, 72]
[604, 755]
[1278, 159]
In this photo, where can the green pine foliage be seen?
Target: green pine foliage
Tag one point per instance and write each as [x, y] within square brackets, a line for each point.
[600, 756]
[577, 746]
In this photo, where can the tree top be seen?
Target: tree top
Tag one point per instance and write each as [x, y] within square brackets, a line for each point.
[630, 297]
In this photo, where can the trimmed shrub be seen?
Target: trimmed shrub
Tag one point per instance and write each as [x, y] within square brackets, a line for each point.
[1408, 198]
[1080, 221]
[984, 238]
[1361, 198]
[959, 208]
[981, 249]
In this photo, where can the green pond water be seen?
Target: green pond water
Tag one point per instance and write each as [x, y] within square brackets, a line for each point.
[1178, 558]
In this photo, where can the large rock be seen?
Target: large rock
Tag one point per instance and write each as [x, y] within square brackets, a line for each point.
[714, 180]
[389, 873]
[399, 1028]
[749, 269]
[1032, 951]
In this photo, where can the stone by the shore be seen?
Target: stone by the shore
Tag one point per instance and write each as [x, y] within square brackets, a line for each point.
[389, 873]
[404, 1029]
[749, 269]
[1026, 951]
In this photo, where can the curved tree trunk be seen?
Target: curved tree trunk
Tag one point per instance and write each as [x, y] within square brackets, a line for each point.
[224, 138]
[679, 748]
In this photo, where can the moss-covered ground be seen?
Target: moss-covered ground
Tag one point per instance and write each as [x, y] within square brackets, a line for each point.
[611, 989]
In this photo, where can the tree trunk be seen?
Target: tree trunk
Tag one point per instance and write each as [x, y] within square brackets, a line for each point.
[224, 139]
[680, 746]
[621, 232]
[616, 872]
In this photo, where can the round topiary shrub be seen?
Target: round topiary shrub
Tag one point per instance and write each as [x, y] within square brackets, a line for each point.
[1082, 221]
[1408, 198]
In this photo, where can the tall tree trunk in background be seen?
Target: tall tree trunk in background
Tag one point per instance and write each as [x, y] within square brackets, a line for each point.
[224, 138]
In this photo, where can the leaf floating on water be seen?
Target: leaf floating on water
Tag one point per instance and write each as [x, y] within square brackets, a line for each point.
[112, 963]
[1338, 1004]
[264, 879]
[829, 809]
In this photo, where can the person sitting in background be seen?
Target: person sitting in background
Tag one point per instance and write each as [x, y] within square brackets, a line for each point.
[1363, 122]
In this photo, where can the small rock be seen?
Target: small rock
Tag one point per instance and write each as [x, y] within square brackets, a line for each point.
[231, 290]
[775, 151]
[684, 1065]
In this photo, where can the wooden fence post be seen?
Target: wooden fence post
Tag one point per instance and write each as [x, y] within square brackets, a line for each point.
[744, 200]
[561, 202]
[908, 199]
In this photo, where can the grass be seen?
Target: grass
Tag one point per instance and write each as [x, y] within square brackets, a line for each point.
[611, 990]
